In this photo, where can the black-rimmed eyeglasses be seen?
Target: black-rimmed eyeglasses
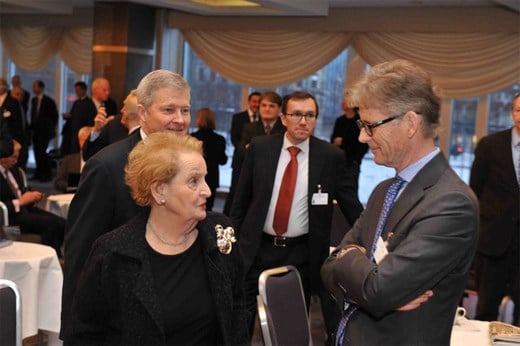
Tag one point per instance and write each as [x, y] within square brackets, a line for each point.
[296, 117]
[370, 126]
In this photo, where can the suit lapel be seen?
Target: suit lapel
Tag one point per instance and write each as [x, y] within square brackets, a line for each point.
[315, 169]
[414, 191]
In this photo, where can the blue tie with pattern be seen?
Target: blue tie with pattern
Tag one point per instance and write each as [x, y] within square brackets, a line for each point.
[390, 197]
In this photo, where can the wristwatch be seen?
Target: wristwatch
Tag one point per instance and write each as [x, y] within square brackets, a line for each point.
[346, 249]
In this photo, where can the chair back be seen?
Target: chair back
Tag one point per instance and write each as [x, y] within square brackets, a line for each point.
[266, 323]
[282, 291]
[10, 314]
[4, 215]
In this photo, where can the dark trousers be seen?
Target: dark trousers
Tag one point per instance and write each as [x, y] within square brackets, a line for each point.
[497, 277]
[51, 227]
[43, 163]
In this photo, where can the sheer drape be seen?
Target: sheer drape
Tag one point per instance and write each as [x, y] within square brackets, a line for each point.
[461, 64]
[266, 58]
[32, 48]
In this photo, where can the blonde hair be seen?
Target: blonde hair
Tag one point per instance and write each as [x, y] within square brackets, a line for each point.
[156, 160]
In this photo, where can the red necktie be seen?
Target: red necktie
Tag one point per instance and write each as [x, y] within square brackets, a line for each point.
[267, 129]
[285, 197]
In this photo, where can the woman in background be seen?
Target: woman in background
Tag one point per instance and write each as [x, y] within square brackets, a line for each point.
[214, 150]
[170, 276]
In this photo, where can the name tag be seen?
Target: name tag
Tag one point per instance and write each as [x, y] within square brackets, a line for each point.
[320, 198]
[381, 250]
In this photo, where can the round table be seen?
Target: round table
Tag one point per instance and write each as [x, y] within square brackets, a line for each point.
[37, 272]
[59, 204]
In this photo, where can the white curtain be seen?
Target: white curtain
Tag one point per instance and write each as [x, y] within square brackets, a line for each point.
[461, 64]
[266, 58]
[32, 48]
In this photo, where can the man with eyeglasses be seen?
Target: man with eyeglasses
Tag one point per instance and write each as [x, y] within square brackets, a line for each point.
[401, 270]
[284, 202]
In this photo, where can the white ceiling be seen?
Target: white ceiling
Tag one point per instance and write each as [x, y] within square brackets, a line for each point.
[267, 7]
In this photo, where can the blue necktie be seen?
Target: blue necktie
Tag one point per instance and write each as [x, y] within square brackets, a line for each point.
[390, 197]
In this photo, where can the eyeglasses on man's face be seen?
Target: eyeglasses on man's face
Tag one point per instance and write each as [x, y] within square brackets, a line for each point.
[369, 127]
[296, 117]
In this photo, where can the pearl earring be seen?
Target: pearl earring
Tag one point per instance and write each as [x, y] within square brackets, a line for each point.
[162, 202]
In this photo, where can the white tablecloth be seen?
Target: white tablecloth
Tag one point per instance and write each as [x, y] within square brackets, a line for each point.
[470, 333]
[36, 270]
[59, 204]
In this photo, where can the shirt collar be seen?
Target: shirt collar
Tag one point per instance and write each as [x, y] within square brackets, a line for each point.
[303, 146]
[411, 171]
[515, 138]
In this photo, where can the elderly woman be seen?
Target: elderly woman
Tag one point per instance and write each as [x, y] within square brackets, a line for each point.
[172, 275]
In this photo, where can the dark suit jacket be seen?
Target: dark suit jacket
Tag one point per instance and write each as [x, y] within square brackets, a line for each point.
[237, 125]
[7, 195]
[114, 131]
[255, 186]
[14, 120]
[493, 178]
[82, 114]
[116, 289]
[101, 204]
[250, 131]
[214, 154]
[44, 123]
[434, 223]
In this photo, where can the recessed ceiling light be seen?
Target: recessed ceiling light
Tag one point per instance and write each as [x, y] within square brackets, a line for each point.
[224, 3]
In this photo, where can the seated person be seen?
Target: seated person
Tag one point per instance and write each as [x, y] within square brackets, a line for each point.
[21, 205]
[71, 164]
[168, 276]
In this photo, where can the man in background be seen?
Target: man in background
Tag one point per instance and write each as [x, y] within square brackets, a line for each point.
[16, 81]
[250, 115]
[401, 270]
[103, 200]
[274, 231]
[495, 178]
[21, 205]
[345, 136]
[81, 114]
[14, 117]
[115, 130]
[44, 119]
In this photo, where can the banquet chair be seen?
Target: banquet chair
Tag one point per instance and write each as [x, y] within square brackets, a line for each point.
[285, 308]
[266, 323]
[10, 314]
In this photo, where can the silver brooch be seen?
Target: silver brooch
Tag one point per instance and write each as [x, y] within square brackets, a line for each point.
[225, 239]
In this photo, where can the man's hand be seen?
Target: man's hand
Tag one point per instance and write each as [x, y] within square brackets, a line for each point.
[101, 119]
[414, 304]
[30, 197]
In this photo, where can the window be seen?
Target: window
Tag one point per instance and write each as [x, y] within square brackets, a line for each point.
[59, 82]
[463, 119]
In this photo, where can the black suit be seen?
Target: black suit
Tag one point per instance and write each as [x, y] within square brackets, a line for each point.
[494, 181]
[249, 131]
[16, 121]
[101, 204]
[82, 113]
[251, 205]
[214, 155]
[114, 131]
[30, 218]
[238, 122]
[43, 126]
